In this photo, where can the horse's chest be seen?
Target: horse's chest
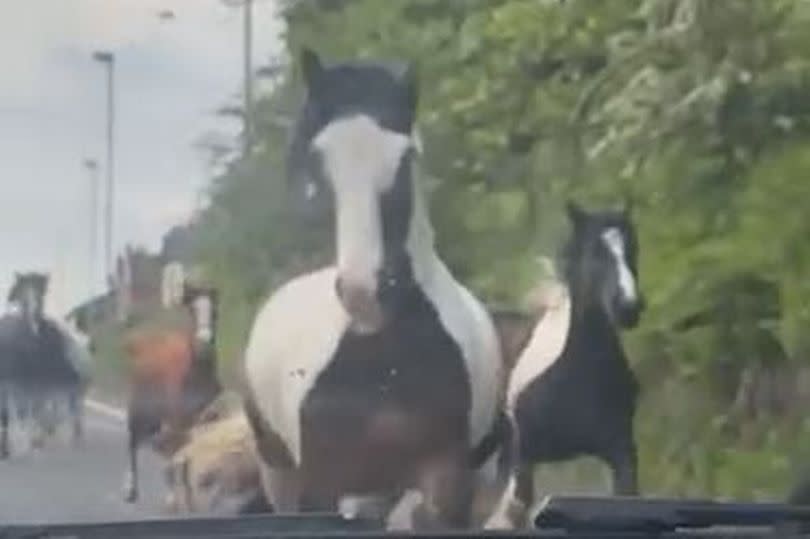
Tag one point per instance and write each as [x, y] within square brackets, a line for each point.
[393, 391]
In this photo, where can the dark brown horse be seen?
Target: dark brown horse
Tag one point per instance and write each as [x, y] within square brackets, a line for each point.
[173, 378]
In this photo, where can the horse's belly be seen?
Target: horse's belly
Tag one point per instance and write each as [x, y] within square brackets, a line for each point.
[382, 449]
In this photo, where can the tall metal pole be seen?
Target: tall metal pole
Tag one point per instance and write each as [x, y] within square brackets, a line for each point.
[248, 73]
[108, 220]
[92, 169]
[108, 59]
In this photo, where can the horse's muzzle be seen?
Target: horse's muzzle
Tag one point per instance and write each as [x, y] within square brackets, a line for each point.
[629, 313]
[363, 307]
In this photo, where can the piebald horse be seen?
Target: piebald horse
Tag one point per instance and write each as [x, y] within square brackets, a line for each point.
[379, 373]
[572, 392]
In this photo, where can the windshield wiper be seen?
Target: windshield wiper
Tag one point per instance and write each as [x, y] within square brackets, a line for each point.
[664, 515]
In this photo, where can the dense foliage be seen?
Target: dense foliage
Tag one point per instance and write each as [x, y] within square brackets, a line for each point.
[694, 110]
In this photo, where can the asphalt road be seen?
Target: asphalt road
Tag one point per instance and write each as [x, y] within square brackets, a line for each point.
[64, 482]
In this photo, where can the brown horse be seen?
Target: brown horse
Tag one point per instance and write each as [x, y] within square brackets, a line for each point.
[216, 471]
[173, 378]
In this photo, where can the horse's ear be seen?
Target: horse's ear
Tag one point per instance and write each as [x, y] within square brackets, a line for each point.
[575, 212]
[311, 67]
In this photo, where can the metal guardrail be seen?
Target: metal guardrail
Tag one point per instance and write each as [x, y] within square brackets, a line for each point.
[571, 518]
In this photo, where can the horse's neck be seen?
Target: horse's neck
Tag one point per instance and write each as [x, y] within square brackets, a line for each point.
[425, 262]
[203, 379]
[592, 333]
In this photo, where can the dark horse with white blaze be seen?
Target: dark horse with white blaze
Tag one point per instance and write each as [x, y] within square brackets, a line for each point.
[572, 392]
[380, 373]
[173, 378]
[39, 360]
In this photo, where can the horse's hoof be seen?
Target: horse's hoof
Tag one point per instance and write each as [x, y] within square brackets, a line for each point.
[4, 453]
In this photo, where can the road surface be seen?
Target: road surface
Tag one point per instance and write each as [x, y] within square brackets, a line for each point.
[67, 483]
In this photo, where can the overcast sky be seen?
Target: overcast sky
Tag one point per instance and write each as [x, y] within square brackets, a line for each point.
[170, 75]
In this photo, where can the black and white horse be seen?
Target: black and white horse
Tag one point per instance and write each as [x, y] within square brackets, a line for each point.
[43, 363]
[380, 373]
[572, 392]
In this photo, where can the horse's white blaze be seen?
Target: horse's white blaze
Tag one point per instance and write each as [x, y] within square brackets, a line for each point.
[293, 339]
[615, 243]
[203, 318]
[360, 160]
[545, 346]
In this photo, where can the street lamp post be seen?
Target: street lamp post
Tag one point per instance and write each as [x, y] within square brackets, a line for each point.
[91, 165]
[248, 73]
[107, 59]
[247, 67]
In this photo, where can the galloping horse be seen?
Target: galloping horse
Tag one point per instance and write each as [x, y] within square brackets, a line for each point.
[173, 378]
[572, 392]
[380, 373]
[41, 361]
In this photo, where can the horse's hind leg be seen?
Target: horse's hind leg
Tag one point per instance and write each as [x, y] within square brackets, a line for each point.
[516, 501]
[36, 419]
[131, 475]
[139, 427]
[5, 418]
[76, 405]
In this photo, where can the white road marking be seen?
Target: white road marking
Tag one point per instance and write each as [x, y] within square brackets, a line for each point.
[106, 410]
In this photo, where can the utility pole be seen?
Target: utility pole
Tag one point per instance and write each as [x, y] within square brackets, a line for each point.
[247, 7]
[91, 165]
[108, 60]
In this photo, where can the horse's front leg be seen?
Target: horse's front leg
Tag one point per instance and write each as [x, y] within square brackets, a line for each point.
[447, 485]
[282, 488]
[623, 462]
